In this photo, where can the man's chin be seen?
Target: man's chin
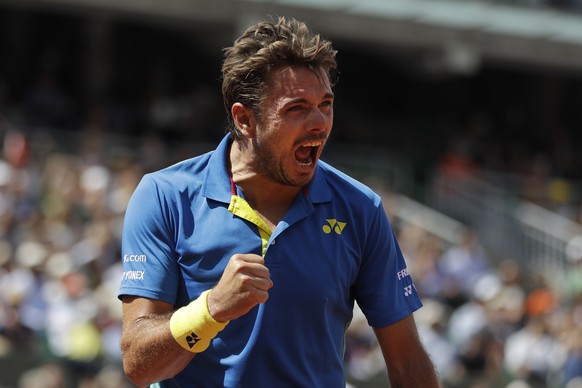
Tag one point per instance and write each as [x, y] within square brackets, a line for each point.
[303, 179]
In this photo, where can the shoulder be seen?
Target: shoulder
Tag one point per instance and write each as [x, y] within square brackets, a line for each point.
[167, 186]
[347, 186]
[187, 173]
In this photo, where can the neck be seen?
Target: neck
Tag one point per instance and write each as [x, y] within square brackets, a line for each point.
[269, 199]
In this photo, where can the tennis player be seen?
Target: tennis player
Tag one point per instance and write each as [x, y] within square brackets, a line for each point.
[242, 266]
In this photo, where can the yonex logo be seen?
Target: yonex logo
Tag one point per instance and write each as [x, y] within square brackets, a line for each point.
[408, 290]
[192, 339]
[333, 224]
[133, 275]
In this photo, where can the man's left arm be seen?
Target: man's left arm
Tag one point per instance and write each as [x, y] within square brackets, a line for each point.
[407, 362]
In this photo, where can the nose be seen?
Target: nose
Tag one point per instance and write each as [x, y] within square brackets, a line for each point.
[319, 120]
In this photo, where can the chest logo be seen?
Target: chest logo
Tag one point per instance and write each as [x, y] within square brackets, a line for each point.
[333, 224]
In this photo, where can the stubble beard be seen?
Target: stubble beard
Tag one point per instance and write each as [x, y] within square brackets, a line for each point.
[273, 168]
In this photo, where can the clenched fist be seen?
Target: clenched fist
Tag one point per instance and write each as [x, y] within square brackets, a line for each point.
[244, 284]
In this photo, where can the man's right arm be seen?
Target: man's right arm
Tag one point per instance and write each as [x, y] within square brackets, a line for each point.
[149, 351]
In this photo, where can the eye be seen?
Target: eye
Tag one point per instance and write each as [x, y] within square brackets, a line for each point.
[296, 108]
[326, 104]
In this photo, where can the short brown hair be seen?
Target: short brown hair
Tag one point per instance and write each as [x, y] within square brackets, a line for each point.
[262, 47]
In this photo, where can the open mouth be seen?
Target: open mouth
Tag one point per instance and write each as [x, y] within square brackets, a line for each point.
[306, 155]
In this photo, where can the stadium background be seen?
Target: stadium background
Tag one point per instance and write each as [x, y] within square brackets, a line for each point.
[464, 115]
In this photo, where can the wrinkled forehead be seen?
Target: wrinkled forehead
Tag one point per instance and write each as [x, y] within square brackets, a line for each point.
[291, 80]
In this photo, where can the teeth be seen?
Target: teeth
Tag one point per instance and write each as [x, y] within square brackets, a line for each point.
[307, 162]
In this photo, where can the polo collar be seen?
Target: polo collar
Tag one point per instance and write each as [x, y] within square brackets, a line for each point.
[216, 184]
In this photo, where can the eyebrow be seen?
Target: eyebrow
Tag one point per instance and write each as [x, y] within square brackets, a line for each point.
[327, 96]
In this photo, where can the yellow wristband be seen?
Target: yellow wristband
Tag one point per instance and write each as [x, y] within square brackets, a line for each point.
[193, 327]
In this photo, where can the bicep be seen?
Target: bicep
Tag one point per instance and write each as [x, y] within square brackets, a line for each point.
[399, 341]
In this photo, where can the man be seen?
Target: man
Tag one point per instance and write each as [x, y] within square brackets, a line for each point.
[241, 266]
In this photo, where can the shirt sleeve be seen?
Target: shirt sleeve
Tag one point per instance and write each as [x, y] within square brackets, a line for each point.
[384, 290]
[150, 268]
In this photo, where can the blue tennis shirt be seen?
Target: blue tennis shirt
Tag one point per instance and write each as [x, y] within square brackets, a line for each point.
[334, 246]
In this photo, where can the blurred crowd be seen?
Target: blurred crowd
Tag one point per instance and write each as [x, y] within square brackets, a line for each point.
[60, 221]
[564, 5]
[485, 323]
[551, 179]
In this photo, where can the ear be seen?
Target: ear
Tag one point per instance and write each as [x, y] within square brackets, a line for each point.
[244, 119]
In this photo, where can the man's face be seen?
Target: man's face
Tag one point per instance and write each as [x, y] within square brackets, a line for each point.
[296, 119]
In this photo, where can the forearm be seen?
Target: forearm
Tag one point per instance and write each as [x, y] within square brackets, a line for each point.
[420, 373]
[407, 362]
[150, 353]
